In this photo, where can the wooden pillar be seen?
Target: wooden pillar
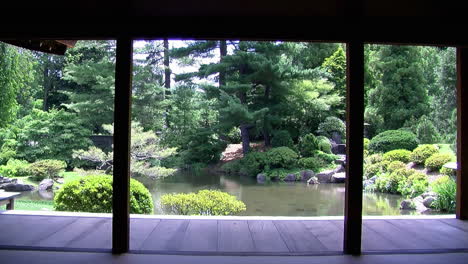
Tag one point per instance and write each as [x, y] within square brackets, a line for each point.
[354, 147]
[462, 133]
[122, 112]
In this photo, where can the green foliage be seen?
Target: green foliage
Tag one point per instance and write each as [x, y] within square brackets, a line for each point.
[43, 169]
[391, 182]
[393, 139]
[48, 135]
[324, 144]
[335, 65]
[94, 194]
[437, 160]
[374, 158]
[373, 169]
[281, 157]
[281, 173]
[422, 153]
[282, 138]
[366, 144]
[426, 131]
[415, 185]
[330, 125]
[402, 155]
[394, 165]
[203, 146]
[205, 202]
[253, 163]
[234, 135]
[311, 164]
[34, 205]
[446, 188]
[15, 168]
[308, 144]
[325, 157]
[447, 171]
[232, 167]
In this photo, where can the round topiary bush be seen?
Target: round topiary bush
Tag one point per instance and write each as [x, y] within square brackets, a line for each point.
[393, 139]
[311, 164]
[436, 161]
[308, 144]
[324, 144]
[48, 168]
[402, 155]
[395, 165]
[422, 153]
[282, 138]
[330, 125]
[253, 163]
[282, 157]
[94, 194]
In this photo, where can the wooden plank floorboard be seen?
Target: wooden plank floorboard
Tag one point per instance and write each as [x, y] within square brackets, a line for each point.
[99, 236]
[327, 233]
[234, 236]
[298, 238]
[27, 230]
[167, 236]
[398, 236]
[374, 239]
[201, 235]
[460, 224]
[266, 237]
[441, 236]
[140, 230]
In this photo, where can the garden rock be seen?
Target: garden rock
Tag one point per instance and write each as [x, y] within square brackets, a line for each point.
[407, 205]
[48, 195]
[313, 180]
[428, 194]
[6, 180]
[261, 178]
[418, 201]
[46, 184]
[325, 176]
[410, 165]
[338, 177]
[336, 137]
[306, 175]
[18, 187]
[339, 149]
[290, 177]
[341, 160]
[339, 169]
[427, 202]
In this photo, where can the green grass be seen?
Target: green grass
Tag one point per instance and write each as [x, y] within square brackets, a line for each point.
[70, 176]
[29, 205]
[445, 148]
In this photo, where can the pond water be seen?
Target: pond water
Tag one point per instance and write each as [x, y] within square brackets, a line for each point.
[269, 199]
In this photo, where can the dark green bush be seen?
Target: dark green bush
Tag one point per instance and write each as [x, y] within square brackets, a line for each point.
[282, 138]
[325, 157]
[426, 131]
[324, 144]
[311, 164]
[446, 189]
[393, 139]
[422, 153]
[205, 202]
[373, 169]
[281, 157]
[437, 160]
[204, 146]
[402, 155]
[231, 167]
[94, 194]
[390, 182]
[15, 168]
[330, 125]
[43, 169]
[281, 173]
[253, 163]
[307, 145]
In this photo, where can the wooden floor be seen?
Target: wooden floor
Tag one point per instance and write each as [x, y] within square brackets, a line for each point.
[234, 237]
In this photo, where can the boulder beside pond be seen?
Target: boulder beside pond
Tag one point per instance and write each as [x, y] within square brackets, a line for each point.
[338, 177]
[261, 177]
[325, 176]
[290, 177]
[306, 175]
[17, 187]
[46, 184]
[313, 180]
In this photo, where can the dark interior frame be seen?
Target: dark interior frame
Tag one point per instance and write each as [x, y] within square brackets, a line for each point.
[354, 40]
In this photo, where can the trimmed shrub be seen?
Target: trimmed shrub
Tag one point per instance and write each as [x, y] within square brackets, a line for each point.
[15, 168]
[447, 171]
[373, 169]
[416, 184]
[253, 163]
[402, 155]
[311, 164]
[436, 161]
[282, 157]
[393, 139]
[282, 138]
[94, 194]
[205, 202]
[43, 169]
[324, 144]
[446, 189]
[326, 158]
[330, 125]
[231, 167]
[307, 145]
[282, 173]
[395, 165]
[374, 158]
[390, 182]
[422, 153]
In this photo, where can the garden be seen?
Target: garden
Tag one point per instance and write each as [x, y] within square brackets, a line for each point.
[228, 128]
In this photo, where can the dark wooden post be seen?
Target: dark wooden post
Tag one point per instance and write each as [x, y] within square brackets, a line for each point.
[354, 147]
[121, 185]
[462, 133]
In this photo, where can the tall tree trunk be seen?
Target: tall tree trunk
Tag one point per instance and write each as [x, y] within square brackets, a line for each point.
[244, 128]
[222, 53]
[266, 137]
[167, 79]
